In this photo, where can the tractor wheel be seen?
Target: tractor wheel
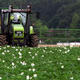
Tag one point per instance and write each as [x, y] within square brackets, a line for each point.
[3, 40]
[33, 41]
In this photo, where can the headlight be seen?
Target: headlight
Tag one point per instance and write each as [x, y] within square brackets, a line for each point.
[18, 33]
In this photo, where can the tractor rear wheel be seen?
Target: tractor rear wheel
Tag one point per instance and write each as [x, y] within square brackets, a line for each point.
[3, 40]
[33, 41]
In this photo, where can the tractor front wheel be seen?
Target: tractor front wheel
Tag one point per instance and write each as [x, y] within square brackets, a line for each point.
[3, 40]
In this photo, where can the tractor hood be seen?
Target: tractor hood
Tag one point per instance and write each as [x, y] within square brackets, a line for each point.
[18, 31]
[18, 27]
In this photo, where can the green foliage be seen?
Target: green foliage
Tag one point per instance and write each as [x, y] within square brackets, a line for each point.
[23, 63]
[41, 28]
[64, 15]
[75, 20]
[53, 36]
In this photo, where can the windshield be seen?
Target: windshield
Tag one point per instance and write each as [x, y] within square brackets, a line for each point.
[22, 16]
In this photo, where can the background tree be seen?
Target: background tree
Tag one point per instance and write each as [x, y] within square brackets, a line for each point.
[75, 21]
[41, 28]
[53, 13]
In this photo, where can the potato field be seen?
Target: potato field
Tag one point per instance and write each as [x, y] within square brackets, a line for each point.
[42, 63]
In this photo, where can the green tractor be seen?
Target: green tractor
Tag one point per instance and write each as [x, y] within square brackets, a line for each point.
[16, 27]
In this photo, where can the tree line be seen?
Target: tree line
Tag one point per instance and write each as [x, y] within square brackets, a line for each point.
[53, 13]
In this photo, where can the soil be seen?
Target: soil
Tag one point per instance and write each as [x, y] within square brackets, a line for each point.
[52, 45]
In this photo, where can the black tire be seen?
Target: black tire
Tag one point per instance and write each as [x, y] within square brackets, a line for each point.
[3, 40]
[33, 41]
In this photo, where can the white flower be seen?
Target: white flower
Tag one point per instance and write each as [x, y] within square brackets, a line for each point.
[42, 55]
[32, 64]
[27, 77]
[45, 47]
[13, 47]
[29, 52]
[3, 61]
[25, 46]
[32, 57]
[20, 53]
[31, 48]
[36, 54]
[50, 51]
[71, 78]
[13, 64]
[8, 46]
[78, 58]
[21, 49]
[65, 52]
[30, 77]
[60, 50]
[4, 47]
[0, 77]
[33, 69]
[23, 63]
[61, 63]
[8, 51]
[29, 69]
[14, 57]
[65, 47]
[20, 56]
[62, 66]
[3, 53]
[8, 67]
[16, 49]
[35, 75]
[50, 61]
[44, 51]
[22, 73]
[68, 50]
[13, 54]
[71, 46]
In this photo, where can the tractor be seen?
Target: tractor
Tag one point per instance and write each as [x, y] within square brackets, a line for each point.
[16, 27]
